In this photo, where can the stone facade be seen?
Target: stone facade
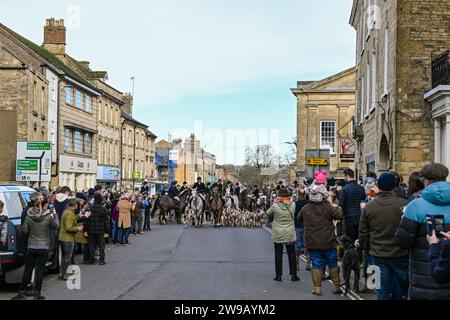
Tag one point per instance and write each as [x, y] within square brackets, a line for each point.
[322, 104]
[396, 41]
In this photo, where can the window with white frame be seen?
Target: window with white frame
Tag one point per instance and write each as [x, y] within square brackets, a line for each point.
[374, 81]
[386, 59]
[88, 103]
[78, 99]
[367, 90]
[328, 135]
[69, 95]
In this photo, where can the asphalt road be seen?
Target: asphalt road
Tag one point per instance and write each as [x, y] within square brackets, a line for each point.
[184, 263]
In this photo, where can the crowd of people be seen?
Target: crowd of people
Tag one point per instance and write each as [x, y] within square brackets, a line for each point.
[83, 222]
[391, 222]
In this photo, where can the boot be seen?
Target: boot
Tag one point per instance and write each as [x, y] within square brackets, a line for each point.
[38, 296]
[277, 278]
[316, 275]
[334, 275]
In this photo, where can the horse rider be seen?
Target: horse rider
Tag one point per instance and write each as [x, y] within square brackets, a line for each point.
[256, 192]
[230, 187]
[184, 187]
[219, 185]
[237, 190]
[200, 187]
[173, 191]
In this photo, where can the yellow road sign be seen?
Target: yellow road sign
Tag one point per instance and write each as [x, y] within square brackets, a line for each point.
[316, 162]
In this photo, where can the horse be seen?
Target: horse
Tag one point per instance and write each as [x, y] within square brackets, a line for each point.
[165, 204]
[196, 209]
[216, 205]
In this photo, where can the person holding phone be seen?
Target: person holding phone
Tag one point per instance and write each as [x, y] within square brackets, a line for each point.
[412, 232]
[439, 257]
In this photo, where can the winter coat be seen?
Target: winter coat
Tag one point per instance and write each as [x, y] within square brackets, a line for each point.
[400, 192]
[37, 226]
[61, 204]
[318, 227]
[115, 213]
[97, 223]
[69, 226]
[379, 223]
[412, 233]
[125, 207]
[350, 198]
[440, 262]
[414, 196]
[283, 228]
[3, 228]
[299, 204]
[137, 212]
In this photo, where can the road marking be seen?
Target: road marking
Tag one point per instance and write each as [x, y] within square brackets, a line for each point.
[351, 294]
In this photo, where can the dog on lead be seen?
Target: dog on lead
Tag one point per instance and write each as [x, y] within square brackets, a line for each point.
[350, 262]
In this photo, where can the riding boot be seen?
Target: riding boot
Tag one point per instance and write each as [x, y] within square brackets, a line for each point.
[334, 275]
[316, 275]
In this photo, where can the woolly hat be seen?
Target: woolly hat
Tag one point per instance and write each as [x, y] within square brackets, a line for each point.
[386, 182]
[321, 176]
[283, 192]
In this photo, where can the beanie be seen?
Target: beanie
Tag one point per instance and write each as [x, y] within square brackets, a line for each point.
[321, 177]
[386, 182]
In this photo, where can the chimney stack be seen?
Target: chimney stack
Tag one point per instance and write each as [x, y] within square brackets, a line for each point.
[128, 104]
[55, 36]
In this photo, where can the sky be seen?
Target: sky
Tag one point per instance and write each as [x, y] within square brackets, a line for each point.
[222, 69]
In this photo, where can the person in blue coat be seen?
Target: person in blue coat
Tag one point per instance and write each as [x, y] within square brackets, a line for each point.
[412, 232]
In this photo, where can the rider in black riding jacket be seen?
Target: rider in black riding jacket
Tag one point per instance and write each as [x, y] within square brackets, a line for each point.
[173, 191]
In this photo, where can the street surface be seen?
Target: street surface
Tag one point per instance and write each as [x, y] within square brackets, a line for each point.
[184, 263]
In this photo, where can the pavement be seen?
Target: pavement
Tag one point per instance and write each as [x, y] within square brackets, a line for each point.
[174, 262]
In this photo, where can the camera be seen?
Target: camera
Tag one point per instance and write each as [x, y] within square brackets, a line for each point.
[436, 223]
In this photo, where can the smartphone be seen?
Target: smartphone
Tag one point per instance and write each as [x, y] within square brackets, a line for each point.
[436, 223]
[372, 193]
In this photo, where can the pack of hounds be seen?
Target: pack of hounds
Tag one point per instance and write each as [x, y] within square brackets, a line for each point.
[233, 218]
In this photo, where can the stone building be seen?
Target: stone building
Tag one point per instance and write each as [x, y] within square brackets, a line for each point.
[71, 125]
[325, 111]
[395, 43]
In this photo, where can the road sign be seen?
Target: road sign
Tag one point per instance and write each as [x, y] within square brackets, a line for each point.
[34, 161]
[316, 162]
[136, 175]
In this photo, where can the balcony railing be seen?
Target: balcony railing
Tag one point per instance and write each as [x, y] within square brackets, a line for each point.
[440, 70]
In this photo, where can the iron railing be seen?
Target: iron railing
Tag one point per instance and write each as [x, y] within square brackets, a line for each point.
[440, 70]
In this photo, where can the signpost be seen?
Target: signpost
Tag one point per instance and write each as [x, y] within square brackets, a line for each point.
[136, 175]
[316, 159]
[34, 161]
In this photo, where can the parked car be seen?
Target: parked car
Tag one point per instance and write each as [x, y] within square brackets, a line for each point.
[16, 198]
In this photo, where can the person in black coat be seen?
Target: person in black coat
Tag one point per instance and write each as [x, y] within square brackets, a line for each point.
[199, 186]
[237, 190]
[97, 226]
[439, 259]
[173, 191]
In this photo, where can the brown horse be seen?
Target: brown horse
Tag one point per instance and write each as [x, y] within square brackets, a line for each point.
[216, 206]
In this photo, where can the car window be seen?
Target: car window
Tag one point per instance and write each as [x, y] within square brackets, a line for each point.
[13, 204]
[26, 198]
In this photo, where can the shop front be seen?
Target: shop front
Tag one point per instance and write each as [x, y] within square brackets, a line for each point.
[108, 177]
[77, 173]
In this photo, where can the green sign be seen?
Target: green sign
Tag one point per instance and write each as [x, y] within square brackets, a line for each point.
[27, 165]
[39, 146]
[136, 175]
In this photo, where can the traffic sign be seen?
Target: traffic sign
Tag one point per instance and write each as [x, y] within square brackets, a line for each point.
[136, 175]
[316, 162]
[34, 161]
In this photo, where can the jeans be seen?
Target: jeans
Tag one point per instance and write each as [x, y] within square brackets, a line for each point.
[299, 243]
[135, 221]
[124, 233]
[86, 251]
[320, 258]
[147, 221]
[114, 231]
[394, 278]
[67, 250]
[34, 259]
[279, 258]
[97, 241]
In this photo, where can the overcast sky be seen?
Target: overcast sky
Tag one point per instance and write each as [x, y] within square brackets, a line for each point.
[216, 66]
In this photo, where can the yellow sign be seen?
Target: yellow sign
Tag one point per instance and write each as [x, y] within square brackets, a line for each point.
[316, 162]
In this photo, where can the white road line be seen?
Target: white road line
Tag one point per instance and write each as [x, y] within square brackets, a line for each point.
[352, 295]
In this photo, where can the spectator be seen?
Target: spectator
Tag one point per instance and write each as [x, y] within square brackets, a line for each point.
[415, 186]
[124, 224]
[439, 259]
[379, 222]
[67, 233]
[62, 201]
[37, 226]
[283, 233]
[96, 227]
[115, 219]
[136, 217]
[147, 207]
[399, 186]
[299, 243]
[320, 239]
[412, 232]
[351, 199]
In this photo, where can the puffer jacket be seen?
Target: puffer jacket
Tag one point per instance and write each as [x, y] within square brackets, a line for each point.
[37, 226]
[350, 198]
[412, 234]
[440, 262]
[318, 226]
[283, 227]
